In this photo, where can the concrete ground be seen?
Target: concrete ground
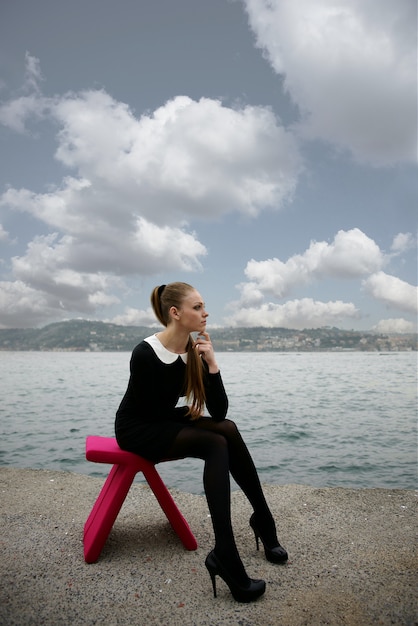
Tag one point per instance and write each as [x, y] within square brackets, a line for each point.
[353, 558]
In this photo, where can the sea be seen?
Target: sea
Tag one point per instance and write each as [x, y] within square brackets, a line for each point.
[324, 419]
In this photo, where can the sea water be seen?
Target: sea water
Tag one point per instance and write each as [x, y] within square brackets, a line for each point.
[322, 419]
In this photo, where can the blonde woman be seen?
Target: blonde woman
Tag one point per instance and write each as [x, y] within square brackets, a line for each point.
[164, 368]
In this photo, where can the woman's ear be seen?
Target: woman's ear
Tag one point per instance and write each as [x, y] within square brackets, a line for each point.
[174, 314]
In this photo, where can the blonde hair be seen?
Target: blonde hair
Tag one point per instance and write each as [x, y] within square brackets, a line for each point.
[162, 299]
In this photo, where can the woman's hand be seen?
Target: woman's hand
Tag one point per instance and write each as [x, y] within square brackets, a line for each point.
[204, 348]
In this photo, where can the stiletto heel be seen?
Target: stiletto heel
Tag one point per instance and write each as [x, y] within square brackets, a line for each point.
[248, 593]
[256, 540]
[276, 554]
[212, 577]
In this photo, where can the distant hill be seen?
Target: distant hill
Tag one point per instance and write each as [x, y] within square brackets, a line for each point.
[74, 335]
[86, 336]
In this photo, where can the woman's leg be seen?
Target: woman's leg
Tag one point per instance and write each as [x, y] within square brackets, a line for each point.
[244, 472]
[212, 447]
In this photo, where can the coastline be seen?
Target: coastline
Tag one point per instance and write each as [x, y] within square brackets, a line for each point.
[352, 558]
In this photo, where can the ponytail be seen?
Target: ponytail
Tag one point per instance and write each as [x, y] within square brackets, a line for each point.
[156, 304]
[195, 388]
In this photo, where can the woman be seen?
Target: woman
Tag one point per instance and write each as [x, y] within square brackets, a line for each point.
[164, 368]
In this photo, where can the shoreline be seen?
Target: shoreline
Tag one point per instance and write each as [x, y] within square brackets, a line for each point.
[352, 557]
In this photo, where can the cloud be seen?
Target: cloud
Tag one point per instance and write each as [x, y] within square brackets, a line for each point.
[45, 268]
[189, 159]
[402, 242]
[4, 235]
[350, 66]
[21, 306]
[132, 196]
[136, 317]
[16, 113]
[393, 291]
[398, 325]
[126, 204]
[98, 242]
[352, 254]
[58, 267]
[299, 314]
[33, 73]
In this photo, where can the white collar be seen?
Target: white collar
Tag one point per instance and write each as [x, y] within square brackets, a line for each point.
[163, 354]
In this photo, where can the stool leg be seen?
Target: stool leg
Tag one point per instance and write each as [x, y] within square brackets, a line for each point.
[105, 510]
[176, 519]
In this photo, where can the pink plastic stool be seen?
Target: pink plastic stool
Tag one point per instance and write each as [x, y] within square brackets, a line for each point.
[107, 506]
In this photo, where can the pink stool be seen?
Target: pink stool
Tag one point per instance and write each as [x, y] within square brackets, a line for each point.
[107, 506]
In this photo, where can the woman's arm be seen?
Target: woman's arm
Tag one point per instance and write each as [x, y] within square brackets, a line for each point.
[216, 398]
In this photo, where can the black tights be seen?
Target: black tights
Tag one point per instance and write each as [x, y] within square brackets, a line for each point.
[223, 450]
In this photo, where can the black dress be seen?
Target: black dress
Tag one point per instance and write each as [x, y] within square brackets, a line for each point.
[149, 416]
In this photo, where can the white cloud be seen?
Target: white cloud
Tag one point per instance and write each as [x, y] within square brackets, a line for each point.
[44, 274]
[97, 244]
[165, 248]
[126, 206]
[21, 306]
[300, 314]
[187, 159]
[4, 235]
[52, 296]
[352, 254]
[398, 325]
[136, 317]
[402, 242]
[33, 73]
[131, 193]
[350, 66]
[395, 292]
[16, 113]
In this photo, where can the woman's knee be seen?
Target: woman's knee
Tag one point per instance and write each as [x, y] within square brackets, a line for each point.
[228, 428]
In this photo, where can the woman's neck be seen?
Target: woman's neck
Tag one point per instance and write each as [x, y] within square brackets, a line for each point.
[174, 341]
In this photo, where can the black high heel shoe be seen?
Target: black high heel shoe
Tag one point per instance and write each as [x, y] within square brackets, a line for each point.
[276, 554]
[248, 593]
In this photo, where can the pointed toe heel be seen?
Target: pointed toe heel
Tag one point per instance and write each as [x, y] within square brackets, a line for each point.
[276, 554]
[241, 593]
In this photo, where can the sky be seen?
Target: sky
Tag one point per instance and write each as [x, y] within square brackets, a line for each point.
[264, 151]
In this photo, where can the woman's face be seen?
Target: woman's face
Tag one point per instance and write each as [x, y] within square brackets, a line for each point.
[192, 315]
